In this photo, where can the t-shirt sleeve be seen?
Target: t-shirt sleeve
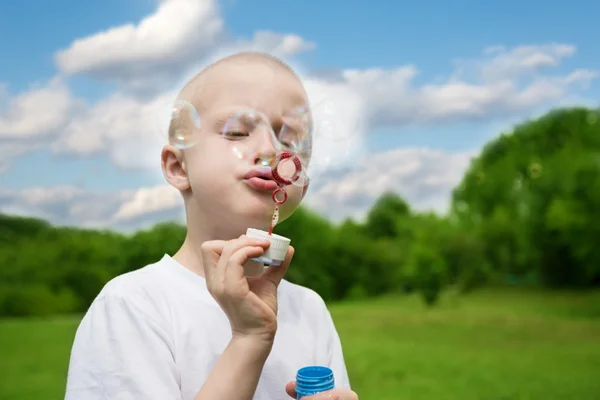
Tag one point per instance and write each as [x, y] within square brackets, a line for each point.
[121, 352]
[335, 353]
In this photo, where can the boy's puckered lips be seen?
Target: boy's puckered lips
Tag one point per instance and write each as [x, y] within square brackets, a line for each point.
[261, 179]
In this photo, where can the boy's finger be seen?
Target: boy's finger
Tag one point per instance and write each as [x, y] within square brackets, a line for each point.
[212, 247]
[235, 269]
[290, 389]
[341, 394]
[220, 268]
[275, 274]
[234, 245]
[211, 251]
[231, 246]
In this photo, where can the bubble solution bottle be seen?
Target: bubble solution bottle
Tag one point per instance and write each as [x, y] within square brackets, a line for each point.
[312, 380]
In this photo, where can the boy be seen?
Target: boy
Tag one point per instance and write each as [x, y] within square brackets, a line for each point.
[208, 323]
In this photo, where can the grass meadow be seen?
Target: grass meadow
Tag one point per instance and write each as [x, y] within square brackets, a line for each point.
[490, 345]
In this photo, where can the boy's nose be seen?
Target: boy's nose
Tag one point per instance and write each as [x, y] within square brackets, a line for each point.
[265, 157]
[265, 146]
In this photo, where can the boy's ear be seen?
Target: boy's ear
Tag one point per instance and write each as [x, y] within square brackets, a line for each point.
[174, 168]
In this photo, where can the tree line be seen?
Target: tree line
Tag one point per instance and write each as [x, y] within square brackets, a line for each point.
[527, 212]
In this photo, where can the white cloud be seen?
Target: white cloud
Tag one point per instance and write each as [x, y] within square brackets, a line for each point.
[424, 177]
[177, 31]
[33, 118]
[60, 204]
[70, 205]
[149, 200]
[511, 82]
[150, 56]
[501, 63]
[130, 130]
[277, 44]
[37, 112]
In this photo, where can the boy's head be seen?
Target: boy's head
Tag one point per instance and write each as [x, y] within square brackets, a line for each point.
[212, 175]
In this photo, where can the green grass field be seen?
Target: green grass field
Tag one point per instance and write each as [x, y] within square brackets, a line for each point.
[493, 345]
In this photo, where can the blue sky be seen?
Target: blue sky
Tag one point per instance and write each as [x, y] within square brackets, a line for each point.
[418, 118]
[427, 33]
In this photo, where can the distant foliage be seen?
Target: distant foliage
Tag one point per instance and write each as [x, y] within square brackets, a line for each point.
[526, 212]
[533, 197]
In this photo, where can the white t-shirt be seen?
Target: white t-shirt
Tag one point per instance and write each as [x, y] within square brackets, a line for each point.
[155, 334]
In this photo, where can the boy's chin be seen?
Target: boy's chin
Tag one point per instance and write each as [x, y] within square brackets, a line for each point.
[256, 211]
[249, 218]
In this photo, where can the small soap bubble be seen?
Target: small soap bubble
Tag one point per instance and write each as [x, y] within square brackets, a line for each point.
[480, 177]
[185, 125]
[592, 117]
[535, 170]
[332, 124]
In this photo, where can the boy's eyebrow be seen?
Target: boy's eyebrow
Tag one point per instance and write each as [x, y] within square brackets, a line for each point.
[222, 120]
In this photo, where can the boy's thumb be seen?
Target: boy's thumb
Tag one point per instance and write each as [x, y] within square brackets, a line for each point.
[290, 389]
[275, 274]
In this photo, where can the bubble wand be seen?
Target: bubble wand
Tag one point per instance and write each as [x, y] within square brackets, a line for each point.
[283, 182]
[277, 251]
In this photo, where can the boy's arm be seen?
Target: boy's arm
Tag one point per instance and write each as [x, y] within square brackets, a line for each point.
[235, 375]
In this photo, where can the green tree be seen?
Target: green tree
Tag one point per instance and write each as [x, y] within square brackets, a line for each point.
[534, 194]
[382, 219]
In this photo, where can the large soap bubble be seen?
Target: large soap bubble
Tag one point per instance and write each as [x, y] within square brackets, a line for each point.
[286, 151]
[337, 114]
[279, 148]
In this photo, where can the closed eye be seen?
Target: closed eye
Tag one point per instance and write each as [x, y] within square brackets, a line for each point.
[235, 135]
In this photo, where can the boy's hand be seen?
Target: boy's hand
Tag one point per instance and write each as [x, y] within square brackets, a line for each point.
[250, 303]
[335, 394]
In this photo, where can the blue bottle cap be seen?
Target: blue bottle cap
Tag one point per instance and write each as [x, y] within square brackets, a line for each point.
[313, 379]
